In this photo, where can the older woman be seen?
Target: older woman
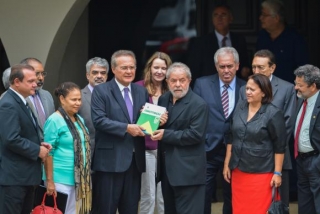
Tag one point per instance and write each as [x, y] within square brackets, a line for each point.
[67, 169]
[256, 150]
[154, 81]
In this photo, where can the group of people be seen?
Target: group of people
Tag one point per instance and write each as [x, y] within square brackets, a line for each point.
[92, 149]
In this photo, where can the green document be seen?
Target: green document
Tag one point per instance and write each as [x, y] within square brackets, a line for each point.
[150, 117]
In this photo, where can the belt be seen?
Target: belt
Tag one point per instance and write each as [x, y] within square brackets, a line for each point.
[308, 154]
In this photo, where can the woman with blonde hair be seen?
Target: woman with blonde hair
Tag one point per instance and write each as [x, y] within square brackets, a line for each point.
[155, 83]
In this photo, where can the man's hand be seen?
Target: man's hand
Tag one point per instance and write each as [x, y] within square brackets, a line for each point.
[135, 130]
[47, 145]
[157, 134]
[43, 154]
[164, 118]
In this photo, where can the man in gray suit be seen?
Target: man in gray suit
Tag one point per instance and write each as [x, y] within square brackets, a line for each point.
[5, 79]
[41, 103]
[97, 73]
[284, 97]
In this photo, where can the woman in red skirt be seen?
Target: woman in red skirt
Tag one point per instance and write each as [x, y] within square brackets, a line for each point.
[256, 148]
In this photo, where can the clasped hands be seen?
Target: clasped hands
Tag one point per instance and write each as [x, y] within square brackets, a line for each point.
[44, 151]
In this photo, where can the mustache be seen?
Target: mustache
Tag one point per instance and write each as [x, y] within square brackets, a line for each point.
[39, 83]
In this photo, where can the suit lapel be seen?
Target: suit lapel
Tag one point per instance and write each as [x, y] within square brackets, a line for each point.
[215, 89]
[87, 95]
[44, 102]
[314, 115]
[274, 84]
[23, 107]
[117, 94]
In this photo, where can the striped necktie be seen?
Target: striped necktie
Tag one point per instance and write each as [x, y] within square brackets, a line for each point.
[225, 100]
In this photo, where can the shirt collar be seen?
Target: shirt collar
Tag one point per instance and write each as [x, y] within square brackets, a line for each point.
[121, 87]
[232, 84]
[19, 95]
[220, 36]
[311, 100]
[90, 87]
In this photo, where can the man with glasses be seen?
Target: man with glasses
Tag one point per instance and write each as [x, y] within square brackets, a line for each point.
[97, 72]
[221, 93]
[41, 103]
[284, 42]
[284, 97]
[202, 49]
[119, 155]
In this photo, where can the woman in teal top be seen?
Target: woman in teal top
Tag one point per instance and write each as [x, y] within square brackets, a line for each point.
[67, 169]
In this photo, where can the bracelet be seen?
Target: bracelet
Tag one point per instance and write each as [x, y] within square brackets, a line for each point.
[277, 173]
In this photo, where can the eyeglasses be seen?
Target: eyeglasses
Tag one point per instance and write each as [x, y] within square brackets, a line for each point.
[41, 73]
[263, 15]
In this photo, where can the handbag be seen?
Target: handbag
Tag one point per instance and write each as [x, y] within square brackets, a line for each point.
[43, 209]
[277, 206]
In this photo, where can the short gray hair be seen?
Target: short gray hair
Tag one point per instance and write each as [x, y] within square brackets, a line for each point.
[178, 65]
[276, 7]
[226, 51]
[310, 73]
[120, 53]
[101, 62]
[5, 78]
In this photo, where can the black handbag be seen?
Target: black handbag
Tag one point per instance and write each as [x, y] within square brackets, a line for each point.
[277, 206]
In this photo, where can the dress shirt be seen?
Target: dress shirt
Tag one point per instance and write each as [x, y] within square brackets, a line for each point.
[32, 100]
[220, 37]
[231, 93]
[90, 87]
[121, 87]
[304, 144]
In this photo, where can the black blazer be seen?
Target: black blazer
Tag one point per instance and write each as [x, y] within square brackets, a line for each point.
[114, 146]
[19, 142]
[201, 51]
[284, 97]
[183, 140]
[255, 142]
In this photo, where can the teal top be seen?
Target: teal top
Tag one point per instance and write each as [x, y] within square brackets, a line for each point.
[56, 133]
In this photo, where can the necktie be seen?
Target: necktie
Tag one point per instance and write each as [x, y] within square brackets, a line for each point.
[225, 100]
[223, 43]
[30, 112]
[41, 115]
[296, 139]
[128, 103]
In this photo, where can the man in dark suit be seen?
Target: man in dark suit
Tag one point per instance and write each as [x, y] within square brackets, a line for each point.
[210, 88]
[202, 49]
[41, 103]
[307, 138]
[97, 72]
[21, 148]
[284, 97]
[119, 156]
[182, 161]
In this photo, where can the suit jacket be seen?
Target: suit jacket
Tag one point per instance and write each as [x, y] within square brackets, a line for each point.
[209, 89]
[284, 97]
[114, 146]
[20, 143]
[255, 142]
[201, 51]
[183, 140]
[314, 130]
[48, 106]
[85, 112]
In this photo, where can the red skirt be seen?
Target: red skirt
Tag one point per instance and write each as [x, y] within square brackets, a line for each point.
[251, 192]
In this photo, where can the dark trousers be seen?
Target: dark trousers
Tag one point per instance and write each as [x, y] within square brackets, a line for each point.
[113, 190]
[16, 199]
[284, 188]
[308, 170]
[215, 161]
[182, 199]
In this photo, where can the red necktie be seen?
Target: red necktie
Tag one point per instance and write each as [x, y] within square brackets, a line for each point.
[223, 42]
[296, 139]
